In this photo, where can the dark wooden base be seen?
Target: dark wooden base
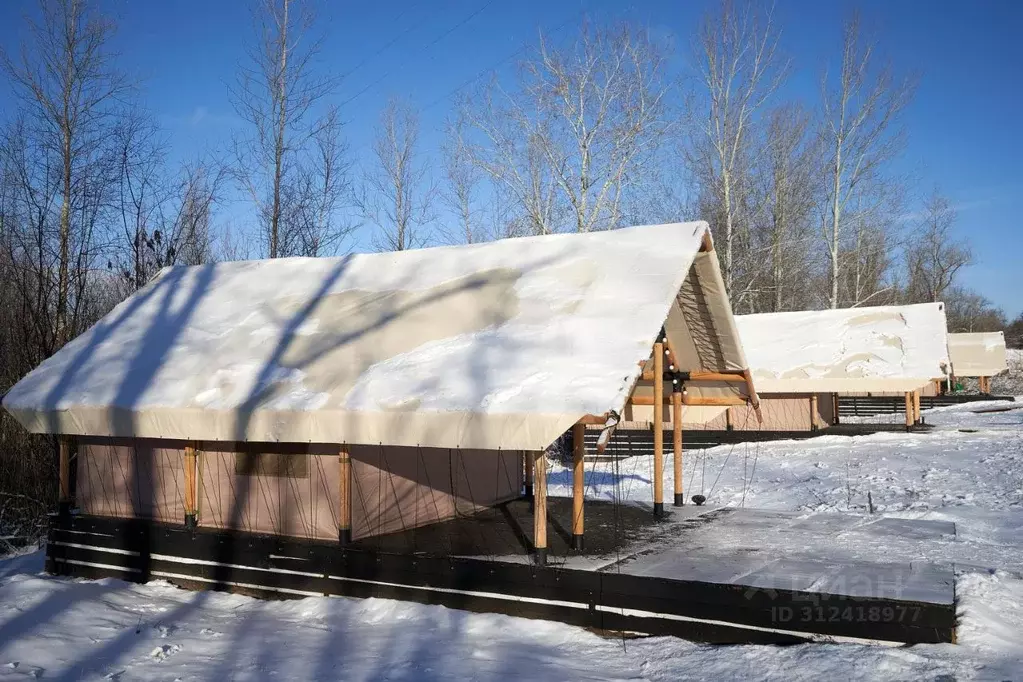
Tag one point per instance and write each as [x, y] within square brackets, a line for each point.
[611, 600]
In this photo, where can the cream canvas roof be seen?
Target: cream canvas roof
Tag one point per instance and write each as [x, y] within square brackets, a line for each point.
[497, 345]
[977, 354]
[884, 348]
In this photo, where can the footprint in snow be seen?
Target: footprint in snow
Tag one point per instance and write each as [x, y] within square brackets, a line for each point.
[162, 652]
[165, 630]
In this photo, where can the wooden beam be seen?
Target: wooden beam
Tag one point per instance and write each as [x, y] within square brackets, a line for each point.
[706, 245]
[704, 376]
[814, 413]
[540, 506]
[578, 455]
[593, 420]
[676, 433]
[712, 401]
[64, 445]
[344, 529]
[917, 417]
[659, 430]
[909, 410]
[754, 400]
[191, 490]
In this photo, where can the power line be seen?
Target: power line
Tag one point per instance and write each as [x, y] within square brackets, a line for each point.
[388, 44]
[522, 48]
[429, 45]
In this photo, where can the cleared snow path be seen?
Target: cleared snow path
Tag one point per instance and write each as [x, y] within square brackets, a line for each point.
[70, 630]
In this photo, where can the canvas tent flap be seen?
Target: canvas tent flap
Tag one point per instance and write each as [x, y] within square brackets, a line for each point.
[977, 354]
[497, 345]
[853, 350]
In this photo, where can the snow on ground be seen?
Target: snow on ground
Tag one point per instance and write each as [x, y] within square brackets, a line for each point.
[69, 630]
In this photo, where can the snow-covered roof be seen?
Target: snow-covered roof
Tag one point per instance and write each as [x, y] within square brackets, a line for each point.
[884, 348]
[977, 354]
[497, 345]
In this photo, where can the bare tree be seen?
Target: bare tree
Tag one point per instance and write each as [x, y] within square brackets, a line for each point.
[396, 196]
[463, 186]
[71, 98]
[740, 70]
[291, 162]
[933, 256]
[165, 218]
[860, 130]
[568, 140]
[790, 166]
[968, 311]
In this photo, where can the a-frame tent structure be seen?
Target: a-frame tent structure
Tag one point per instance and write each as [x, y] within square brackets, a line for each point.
[350, 397]
[979, 355]
[804, 362]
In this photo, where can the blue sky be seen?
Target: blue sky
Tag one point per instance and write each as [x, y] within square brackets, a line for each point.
[964, 124]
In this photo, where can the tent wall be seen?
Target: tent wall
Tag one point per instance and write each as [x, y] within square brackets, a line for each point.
[292, 489]
[781, 412]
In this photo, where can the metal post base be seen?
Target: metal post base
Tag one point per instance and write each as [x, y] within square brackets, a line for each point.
[344, 536]
[680, 499]
[541, 556]
[659, 510]
[577, 542]
[191, 521]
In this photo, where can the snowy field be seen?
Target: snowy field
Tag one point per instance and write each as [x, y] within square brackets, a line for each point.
[968, 470]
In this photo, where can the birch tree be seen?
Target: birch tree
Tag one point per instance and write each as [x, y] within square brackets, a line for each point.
[280, 161]
[396, 196]
[70, 96]
[463, 180]
[860, 129]
[740, 69]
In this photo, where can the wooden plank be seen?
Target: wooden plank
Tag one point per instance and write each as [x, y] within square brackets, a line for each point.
[676, 432]
[909, 410]
[540, 506]
[191, 492]
[344, 532]
[659, 430]
[578, 457]
[704, 376]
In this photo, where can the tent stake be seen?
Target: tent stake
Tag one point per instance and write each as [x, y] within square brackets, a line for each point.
[344, 531]
[540, 506]
[659, 430]
[578, 455]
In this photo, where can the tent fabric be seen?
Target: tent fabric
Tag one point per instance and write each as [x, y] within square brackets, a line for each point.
[497, 345]
[393, 490]
[977, 354]
[853, 350]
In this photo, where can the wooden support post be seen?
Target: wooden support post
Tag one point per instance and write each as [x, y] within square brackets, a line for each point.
[540, 506]
[578, 456]
[814, 423]
[676, 432]
[344, 524]
[834, 407]
[917, 417]
[729, 424]
[658, 430]
[909, 410]
[984, 384]
[64, 445]
[191, 489]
